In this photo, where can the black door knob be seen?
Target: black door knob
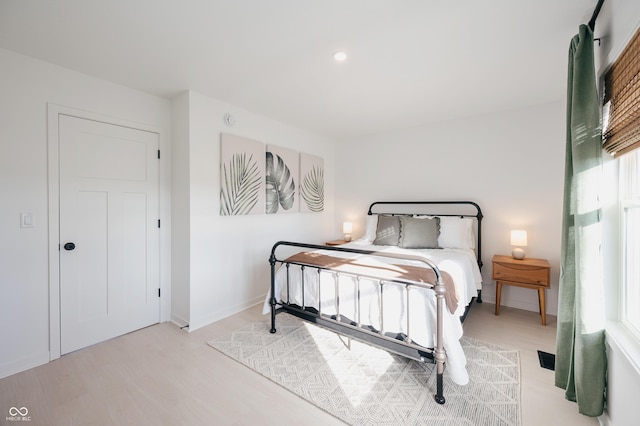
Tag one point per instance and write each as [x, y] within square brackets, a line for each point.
[69, 246]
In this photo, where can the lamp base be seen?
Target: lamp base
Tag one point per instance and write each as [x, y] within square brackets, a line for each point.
[517, 253]
[347, 237]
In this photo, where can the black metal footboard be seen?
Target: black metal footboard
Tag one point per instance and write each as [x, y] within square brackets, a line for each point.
[353, 327]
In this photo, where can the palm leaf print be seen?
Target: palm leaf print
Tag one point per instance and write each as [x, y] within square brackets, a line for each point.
[312, 189]
[240, 186]
[280, 186]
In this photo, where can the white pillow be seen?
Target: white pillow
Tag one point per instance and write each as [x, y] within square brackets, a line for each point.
[455, 232]
[371, 228]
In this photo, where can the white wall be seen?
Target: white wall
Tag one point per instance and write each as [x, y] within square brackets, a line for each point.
[511, 164]
[180, 272]
[27, 85]
[228, 255]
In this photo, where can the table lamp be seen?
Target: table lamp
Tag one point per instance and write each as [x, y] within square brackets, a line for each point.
[519, 240]
[347, 229]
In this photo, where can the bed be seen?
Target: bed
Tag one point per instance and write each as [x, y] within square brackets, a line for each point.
[405, 286]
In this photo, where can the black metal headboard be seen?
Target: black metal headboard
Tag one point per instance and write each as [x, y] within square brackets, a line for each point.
[397, 210]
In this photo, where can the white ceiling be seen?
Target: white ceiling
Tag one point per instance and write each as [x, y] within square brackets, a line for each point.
[410, 61]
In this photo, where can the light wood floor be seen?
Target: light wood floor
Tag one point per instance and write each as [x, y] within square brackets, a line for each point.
[162, 375]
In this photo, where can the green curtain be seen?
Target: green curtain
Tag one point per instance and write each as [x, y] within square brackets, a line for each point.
[581, 362]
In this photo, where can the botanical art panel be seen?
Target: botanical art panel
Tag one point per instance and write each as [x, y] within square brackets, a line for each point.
[281, 192]
[241, 176]
[311, 183]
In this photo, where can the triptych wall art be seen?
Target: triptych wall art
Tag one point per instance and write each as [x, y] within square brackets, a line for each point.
[256, 178]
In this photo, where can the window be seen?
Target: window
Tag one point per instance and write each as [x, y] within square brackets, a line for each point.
[630, 206]
[621, 137]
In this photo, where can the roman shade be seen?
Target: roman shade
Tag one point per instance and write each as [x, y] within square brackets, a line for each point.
[622, 93]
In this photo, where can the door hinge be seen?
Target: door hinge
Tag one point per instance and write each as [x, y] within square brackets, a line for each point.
[158, 154]
[158, 292]
[158, 223]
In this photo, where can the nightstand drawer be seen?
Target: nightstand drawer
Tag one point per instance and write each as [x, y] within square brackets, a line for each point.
[526, 274]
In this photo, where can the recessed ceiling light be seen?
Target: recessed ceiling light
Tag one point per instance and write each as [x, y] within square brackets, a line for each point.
[340, 56]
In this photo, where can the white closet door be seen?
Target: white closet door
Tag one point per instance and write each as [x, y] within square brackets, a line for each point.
[109, 236]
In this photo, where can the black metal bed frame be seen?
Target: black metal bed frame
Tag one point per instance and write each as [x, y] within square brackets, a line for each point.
[354, 329]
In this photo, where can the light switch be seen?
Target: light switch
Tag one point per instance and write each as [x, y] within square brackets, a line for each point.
[26, 220]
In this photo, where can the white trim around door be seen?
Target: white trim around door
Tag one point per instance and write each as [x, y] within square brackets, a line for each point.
[53, 144]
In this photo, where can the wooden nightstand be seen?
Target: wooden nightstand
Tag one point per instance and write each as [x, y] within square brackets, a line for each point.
[527, 273]
[335, 242]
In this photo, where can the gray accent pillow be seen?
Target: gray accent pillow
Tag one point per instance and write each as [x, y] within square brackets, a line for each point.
[419, 233]
[388, 231]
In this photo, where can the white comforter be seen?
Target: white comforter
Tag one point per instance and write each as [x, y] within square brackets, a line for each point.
[421, 306]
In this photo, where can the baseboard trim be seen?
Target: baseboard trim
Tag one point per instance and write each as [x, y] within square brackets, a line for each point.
[178, 320]
[205, 320]
[18, 366]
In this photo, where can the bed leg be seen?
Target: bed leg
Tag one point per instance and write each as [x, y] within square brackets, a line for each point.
[479, 299]
[272, 300]
[438, 396]
[439, 357]
[439, 354]
[273, 316]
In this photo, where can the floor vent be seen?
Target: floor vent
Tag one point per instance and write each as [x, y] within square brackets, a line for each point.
[547, 360]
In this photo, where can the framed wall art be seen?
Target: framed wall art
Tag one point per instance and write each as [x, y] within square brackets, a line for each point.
[311, 183]
[281, 180]
[242, 171]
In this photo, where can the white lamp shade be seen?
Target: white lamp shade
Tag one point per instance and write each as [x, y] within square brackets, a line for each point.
[519, 238]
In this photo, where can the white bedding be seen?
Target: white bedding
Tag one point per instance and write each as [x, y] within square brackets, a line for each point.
[459, 263]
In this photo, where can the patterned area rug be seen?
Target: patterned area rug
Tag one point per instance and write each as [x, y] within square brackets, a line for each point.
[363, 385]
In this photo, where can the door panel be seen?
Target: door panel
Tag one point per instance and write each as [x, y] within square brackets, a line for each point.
[109, 209]
[134, 250]
[92, 265]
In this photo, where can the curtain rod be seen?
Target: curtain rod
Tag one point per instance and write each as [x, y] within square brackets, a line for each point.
[592, 21]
